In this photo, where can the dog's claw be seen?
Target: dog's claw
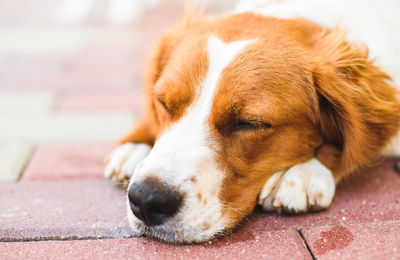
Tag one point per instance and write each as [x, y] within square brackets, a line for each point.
[311, 199]
[277, 203]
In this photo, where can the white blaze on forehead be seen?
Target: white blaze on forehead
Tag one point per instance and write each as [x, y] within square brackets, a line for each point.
[220, 55]
[183, 148]
[184, 151]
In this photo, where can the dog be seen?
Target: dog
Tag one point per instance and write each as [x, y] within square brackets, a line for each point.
[272, 105]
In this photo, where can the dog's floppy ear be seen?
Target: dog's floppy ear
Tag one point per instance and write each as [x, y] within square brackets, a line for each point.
[148, 127]
[359, 110]
[166, 44]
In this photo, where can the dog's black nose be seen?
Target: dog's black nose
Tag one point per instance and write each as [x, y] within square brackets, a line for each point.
[153, 202]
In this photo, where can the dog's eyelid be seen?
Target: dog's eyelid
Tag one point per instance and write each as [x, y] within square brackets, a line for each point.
[250, 124]
[259, 123]
[162, 102]
[239, 116]
[252, 120]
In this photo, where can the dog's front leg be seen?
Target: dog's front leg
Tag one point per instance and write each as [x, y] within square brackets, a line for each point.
[134, 148]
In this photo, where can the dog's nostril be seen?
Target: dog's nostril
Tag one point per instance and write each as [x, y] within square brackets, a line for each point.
[153, 202]
[155, 210]
[396, 167]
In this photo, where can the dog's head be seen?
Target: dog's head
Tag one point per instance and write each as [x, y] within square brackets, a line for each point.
[234, 100]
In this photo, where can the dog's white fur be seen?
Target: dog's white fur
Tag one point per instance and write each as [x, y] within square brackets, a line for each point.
[122, 162]
[303, 186]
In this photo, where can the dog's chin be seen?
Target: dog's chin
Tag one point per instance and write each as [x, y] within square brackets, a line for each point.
[175, 231]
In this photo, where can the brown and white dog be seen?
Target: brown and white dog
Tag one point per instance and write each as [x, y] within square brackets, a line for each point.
[270, 105]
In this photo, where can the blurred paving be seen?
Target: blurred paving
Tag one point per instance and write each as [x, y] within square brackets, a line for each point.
[68, 162]
[70, 78]
[13, 158]
[66, 127]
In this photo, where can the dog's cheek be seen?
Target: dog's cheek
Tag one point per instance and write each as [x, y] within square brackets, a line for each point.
[238, 198]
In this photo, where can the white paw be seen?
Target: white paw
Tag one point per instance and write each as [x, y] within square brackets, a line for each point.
[306, 186]
[121, 163]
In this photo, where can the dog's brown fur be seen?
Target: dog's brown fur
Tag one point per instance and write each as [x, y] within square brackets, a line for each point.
[322, 95]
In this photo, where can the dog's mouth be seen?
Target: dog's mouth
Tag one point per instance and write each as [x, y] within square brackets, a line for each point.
[181, 229]
[173, 233]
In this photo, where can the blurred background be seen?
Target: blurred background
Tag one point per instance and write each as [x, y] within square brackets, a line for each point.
[70, 76]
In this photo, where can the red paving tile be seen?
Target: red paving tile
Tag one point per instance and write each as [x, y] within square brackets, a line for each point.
[377, 240]
[111, 59]
[96, 209]
[252, 245]
[75, 209]
[103, 101]
[102, 64]
[67, 74]
[67, 83]
[67, 161]
[371, 196]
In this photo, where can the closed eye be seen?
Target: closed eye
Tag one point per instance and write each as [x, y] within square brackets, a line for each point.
[247, 125]
[164, 105]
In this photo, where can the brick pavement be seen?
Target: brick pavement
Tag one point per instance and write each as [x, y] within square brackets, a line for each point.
[69, 85]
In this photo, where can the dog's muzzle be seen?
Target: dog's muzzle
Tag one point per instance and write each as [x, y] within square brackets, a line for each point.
[153, 202]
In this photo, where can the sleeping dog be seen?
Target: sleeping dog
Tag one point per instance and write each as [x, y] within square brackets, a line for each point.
[271, 105]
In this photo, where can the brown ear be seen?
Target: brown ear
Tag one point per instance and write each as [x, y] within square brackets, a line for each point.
[358, 105]
[148, 127]
[168, 41]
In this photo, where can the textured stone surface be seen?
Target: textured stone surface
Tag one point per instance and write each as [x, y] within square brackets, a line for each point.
[60, 210]
[251, 245]
[377, 240]
[68, 161]
[368, 196]
[13, 158]
[71, 127]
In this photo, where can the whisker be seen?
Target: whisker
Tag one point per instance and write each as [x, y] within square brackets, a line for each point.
[228, 207]
[137, 91]
[119, 183]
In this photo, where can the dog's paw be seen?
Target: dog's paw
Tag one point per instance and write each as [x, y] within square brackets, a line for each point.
[121, 163]
[303, 187]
